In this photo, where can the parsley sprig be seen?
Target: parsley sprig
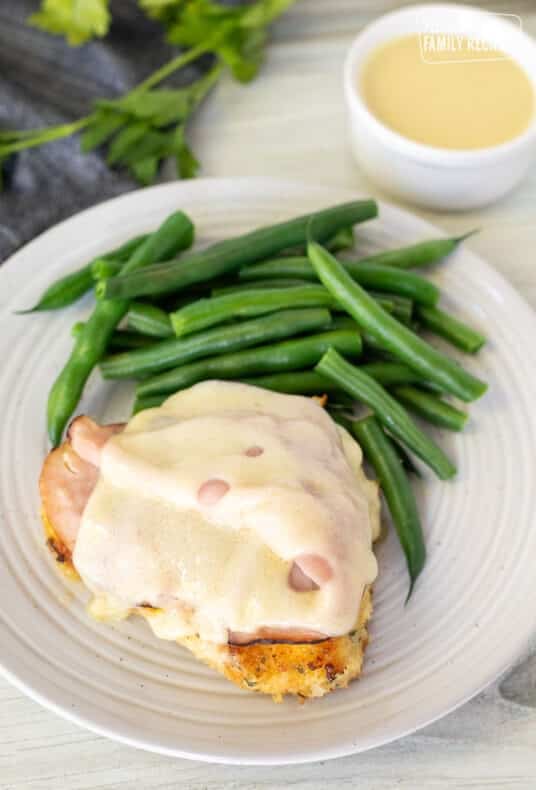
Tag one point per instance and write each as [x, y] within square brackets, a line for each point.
[148, 124]
[77, 20]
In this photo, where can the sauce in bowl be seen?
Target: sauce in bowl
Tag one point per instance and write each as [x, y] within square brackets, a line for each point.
[460, 97]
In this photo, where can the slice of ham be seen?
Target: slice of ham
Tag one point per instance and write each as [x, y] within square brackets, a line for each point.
[292, 636]
[87, 438]
[212, 491]
[300, 581]
[69, 475]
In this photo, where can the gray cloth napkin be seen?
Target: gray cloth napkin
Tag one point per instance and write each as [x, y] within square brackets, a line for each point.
[42, 82]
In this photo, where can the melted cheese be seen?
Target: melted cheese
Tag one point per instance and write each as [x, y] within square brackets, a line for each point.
[145, 538]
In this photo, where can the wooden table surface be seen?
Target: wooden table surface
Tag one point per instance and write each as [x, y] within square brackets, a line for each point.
[291, 123]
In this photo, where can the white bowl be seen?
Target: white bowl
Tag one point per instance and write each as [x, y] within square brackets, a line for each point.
[437, 178]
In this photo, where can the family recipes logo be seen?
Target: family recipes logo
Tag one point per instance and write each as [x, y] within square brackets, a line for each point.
[464, 43]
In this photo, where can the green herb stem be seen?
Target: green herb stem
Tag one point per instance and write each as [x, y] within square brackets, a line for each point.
[172, 66]
[47, 135]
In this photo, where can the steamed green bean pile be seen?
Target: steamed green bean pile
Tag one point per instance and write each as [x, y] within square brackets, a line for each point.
[284, 308]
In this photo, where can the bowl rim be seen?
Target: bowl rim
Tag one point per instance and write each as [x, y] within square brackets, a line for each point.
[420, 152]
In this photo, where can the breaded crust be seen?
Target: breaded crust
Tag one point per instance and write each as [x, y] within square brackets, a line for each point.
[304, 670]
[61, 553]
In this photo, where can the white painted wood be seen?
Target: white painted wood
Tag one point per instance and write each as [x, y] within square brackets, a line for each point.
[291, 122]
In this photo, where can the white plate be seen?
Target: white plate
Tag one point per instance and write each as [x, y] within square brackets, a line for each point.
[471, 613]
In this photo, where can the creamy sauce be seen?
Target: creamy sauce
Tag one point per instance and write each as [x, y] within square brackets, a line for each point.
[289, 484]
[447, 91]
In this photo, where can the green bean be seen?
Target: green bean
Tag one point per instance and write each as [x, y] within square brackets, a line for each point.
[102, 268]
[393, 303]
[382, 456]
[374, 346]
[390, 333]
[239, 287]
[381, 278]
[64, 292]
[419, 255]
[374, 349]
[90, 346]
[376, 354]
[150, 402]
[288, 355]
[416, 255]
[342, 240]
[424, 253]
[346, 322]
[147, 319]
[388, 411]
[76, 329]
[217, 310]
[431, 408]
[296, 382]
[451, 329]
[308, 382]
[389, 374]
[405, 458]
[70, 288]
[120, 340]
[171, 303]
[398, 305]
[178, 351]
[228, 256]
[297, 266]
[343, 321]
[369, 341]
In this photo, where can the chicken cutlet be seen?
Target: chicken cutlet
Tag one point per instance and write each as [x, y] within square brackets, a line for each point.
[238, 522]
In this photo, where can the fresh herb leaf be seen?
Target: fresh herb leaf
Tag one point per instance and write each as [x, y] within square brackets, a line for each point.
[145, 170]
[263, 13]
[159, 106]
[143, 128]
[125, 140]
[77, 20]
[103, 124]
[243, 53]
[148, 124]
[236, 34]
[157, 8]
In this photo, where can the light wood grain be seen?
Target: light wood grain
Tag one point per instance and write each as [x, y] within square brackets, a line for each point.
[291, 123]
